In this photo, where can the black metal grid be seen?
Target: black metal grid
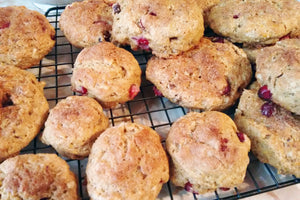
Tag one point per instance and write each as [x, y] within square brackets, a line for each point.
[146, 108]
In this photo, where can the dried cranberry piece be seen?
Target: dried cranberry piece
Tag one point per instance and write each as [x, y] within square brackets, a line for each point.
[142, 42]
[116, 8]
[264, 93]
[227, 89]
[189, 187]
[236, 16]
[133, 91]
[157, 92]
[241, 136]
[224, 188]
[5, 25]
[218, 39]
[83, 91]
[152, 13]
[267, 109]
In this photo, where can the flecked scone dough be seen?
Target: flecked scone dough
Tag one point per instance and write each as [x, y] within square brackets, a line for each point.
[73, 126]
[209, 77]
[254, 21]
[26, 36]
[167, 27]
[37, 176]
[275, 139]
[23, 109]
[206, 152]
[108, 73]
[278, 67]
[207, 4]
[86, 23]
[127, 162]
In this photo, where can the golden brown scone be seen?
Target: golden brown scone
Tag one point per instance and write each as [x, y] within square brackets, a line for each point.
[87, 22]
[209, 76]
[278, 67]
[207, 152]
[274, 139]
[166, 27]
[127, 162]
[254, 21]
[109, 74]
[35, 177]
[26, 36]
[23, 109]
[73, 126]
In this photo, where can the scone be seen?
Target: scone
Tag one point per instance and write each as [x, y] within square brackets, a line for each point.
[127, 162]
[107, 73]
[254, 21]
[207, 152]
[274, 132]
[210, 76]
[23, 109]
[37, 176]
[278, 67]
[166, 27]
[26, 36]
[73, 126]
[87, 22]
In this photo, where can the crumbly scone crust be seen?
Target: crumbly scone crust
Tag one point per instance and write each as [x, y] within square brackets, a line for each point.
[275, 139]
[127, 162]
[206, 152]
[278, 67]
[23, 109]
[209, 77]
[26, 36]
[73, 126]
[37, 176]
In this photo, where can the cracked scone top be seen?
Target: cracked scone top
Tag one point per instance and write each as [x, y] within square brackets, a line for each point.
[274, 139]
[207, 152]
[127, 162]
[107, 73]
[278, 67]
[87, 22]
[255, 21]
[167, 27]
[23, 109]
[210, 76]
[73, 126]
[26, 36]
[37, 176]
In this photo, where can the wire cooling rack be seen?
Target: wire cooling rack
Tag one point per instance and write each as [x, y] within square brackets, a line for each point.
[156, 112]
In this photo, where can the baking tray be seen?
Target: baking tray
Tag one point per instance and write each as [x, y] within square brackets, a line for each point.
[156, 112]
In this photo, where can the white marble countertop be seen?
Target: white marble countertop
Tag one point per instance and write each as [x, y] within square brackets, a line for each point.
[287, 193]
